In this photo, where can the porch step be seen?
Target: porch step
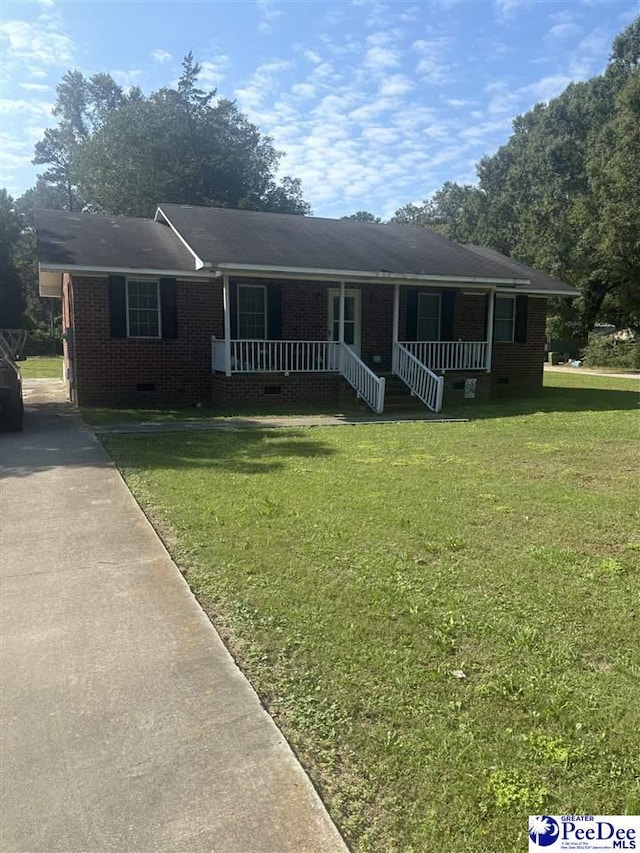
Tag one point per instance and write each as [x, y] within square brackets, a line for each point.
[398, 398]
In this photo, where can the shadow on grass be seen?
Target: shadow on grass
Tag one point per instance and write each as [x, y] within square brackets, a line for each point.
[563, 399]
[247, 451]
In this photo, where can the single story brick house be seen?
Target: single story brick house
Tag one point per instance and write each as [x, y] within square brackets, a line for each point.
[236, 306]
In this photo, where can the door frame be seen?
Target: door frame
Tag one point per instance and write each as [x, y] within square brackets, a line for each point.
[356, 293]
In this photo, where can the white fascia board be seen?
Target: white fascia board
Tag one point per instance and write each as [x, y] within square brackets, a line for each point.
[204, 275]
[529, 291]
[260, 270]
[200, 264]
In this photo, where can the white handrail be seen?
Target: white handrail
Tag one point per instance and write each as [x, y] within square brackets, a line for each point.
[450, 355]
[260, 356]
[362, 379]
[424, 383]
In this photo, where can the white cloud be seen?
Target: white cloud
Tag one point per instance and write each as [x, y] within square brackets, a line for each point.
[547, 88]
[269, 13]
[382, 57]
[312, 56]
[506, 9]
[37, 109]
[212, 72]
[261, 83]
[396, 85]
[432, 65]
[35, 87]
[38, 43]
[128, 78]
[562, 31]
[161, 56]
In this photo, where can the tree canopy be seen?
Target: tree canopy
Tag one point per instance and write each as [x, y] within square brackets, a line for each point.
[123, 153]
[563, 194]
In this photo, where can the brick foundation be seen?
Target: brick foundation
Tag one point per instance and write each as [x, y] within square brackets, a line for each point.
[272, 389]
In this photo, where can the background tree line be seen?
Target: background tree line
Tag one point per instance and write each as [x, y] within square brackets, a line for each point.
[563, 194]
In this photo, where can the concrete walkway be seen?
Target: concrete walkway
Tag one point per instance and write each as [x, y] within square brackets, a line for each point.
[268, 422]
[126, 725]
[587, 371]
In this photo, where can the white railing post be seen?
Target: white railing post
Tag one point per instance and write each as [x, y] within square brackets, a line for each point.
[341, 315]
[227, 324]
[489, 331]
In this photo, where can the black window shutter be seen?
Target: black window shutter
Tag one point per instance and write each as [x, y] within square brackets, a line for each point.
[447, 307]
[274, 311]
[412, 314]
[168, 311]
[117, 306]
[233, 309]
[520, 335]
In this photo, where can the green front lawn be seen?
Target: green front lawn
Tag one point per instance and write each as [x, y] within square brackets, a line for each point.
[41, 367]
[444, 619]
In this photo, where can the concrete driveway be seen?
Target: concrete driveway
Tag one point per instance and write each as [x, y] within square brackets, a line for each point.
[126, 725]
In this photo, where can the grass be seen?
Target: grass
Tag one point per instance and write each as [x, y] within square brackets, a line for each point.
[442, 618]
[105, 416]
[41, 367]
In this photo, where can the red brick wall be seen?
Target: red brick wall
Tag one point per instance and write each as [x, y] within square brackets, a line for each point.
[521, 364]
[109, 370]
[297, 388]
[377, 326]
[305, 311]
[470, 318]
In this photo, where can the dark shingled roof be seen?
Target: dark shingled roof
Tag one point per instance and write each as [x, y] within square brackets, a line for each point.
[539, 280]
[108, 242]
[223, 236]
[273, 240]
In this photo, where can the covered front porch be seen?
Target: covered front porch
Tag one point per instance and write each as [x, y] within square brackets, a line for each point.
[361, 331]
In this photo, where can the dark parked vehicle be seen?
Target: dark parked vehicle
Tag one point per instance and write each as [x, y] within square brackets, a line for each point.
[11, 407]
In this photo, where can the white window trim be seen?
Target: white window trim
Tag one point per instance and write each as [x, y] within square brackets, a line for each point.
[262, 287]
[513, 320]
[126, 293]
[439, 317]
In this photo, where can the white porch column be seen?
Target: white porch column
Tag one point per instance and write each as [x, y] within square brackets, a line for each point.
[489, 334]
[396, 311]
[396, 322]
[226, 292]
[341, 323]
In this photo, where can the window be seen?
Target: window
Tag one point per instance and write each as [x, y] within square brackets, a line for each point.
[504, 318]
[143, 309]
[252, 312]
[428, 317]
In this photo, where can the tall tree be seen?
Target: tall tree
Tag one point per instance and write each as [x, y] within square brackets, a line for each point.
[12, 302]
[123, 153]
[81, 106]
[364, 216]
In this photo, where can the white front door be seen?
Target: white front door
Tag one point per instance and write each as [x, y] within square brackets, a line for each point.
[351, 317]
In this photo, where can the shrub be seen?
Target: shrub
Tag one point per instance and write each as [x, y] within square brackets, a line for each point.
[604, 351]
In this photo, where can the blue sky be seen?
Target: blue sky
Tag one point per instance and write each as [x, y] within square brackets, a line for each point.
[375, 103]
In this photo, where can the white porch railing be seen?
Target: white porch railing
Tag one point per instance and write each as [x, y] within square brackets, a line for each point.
[450, 355]
[422, 381]
[276, 356]
[364, 381]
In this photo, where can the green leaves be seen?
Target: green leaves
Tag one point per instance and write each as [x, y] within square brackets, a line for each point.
[123, 153]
